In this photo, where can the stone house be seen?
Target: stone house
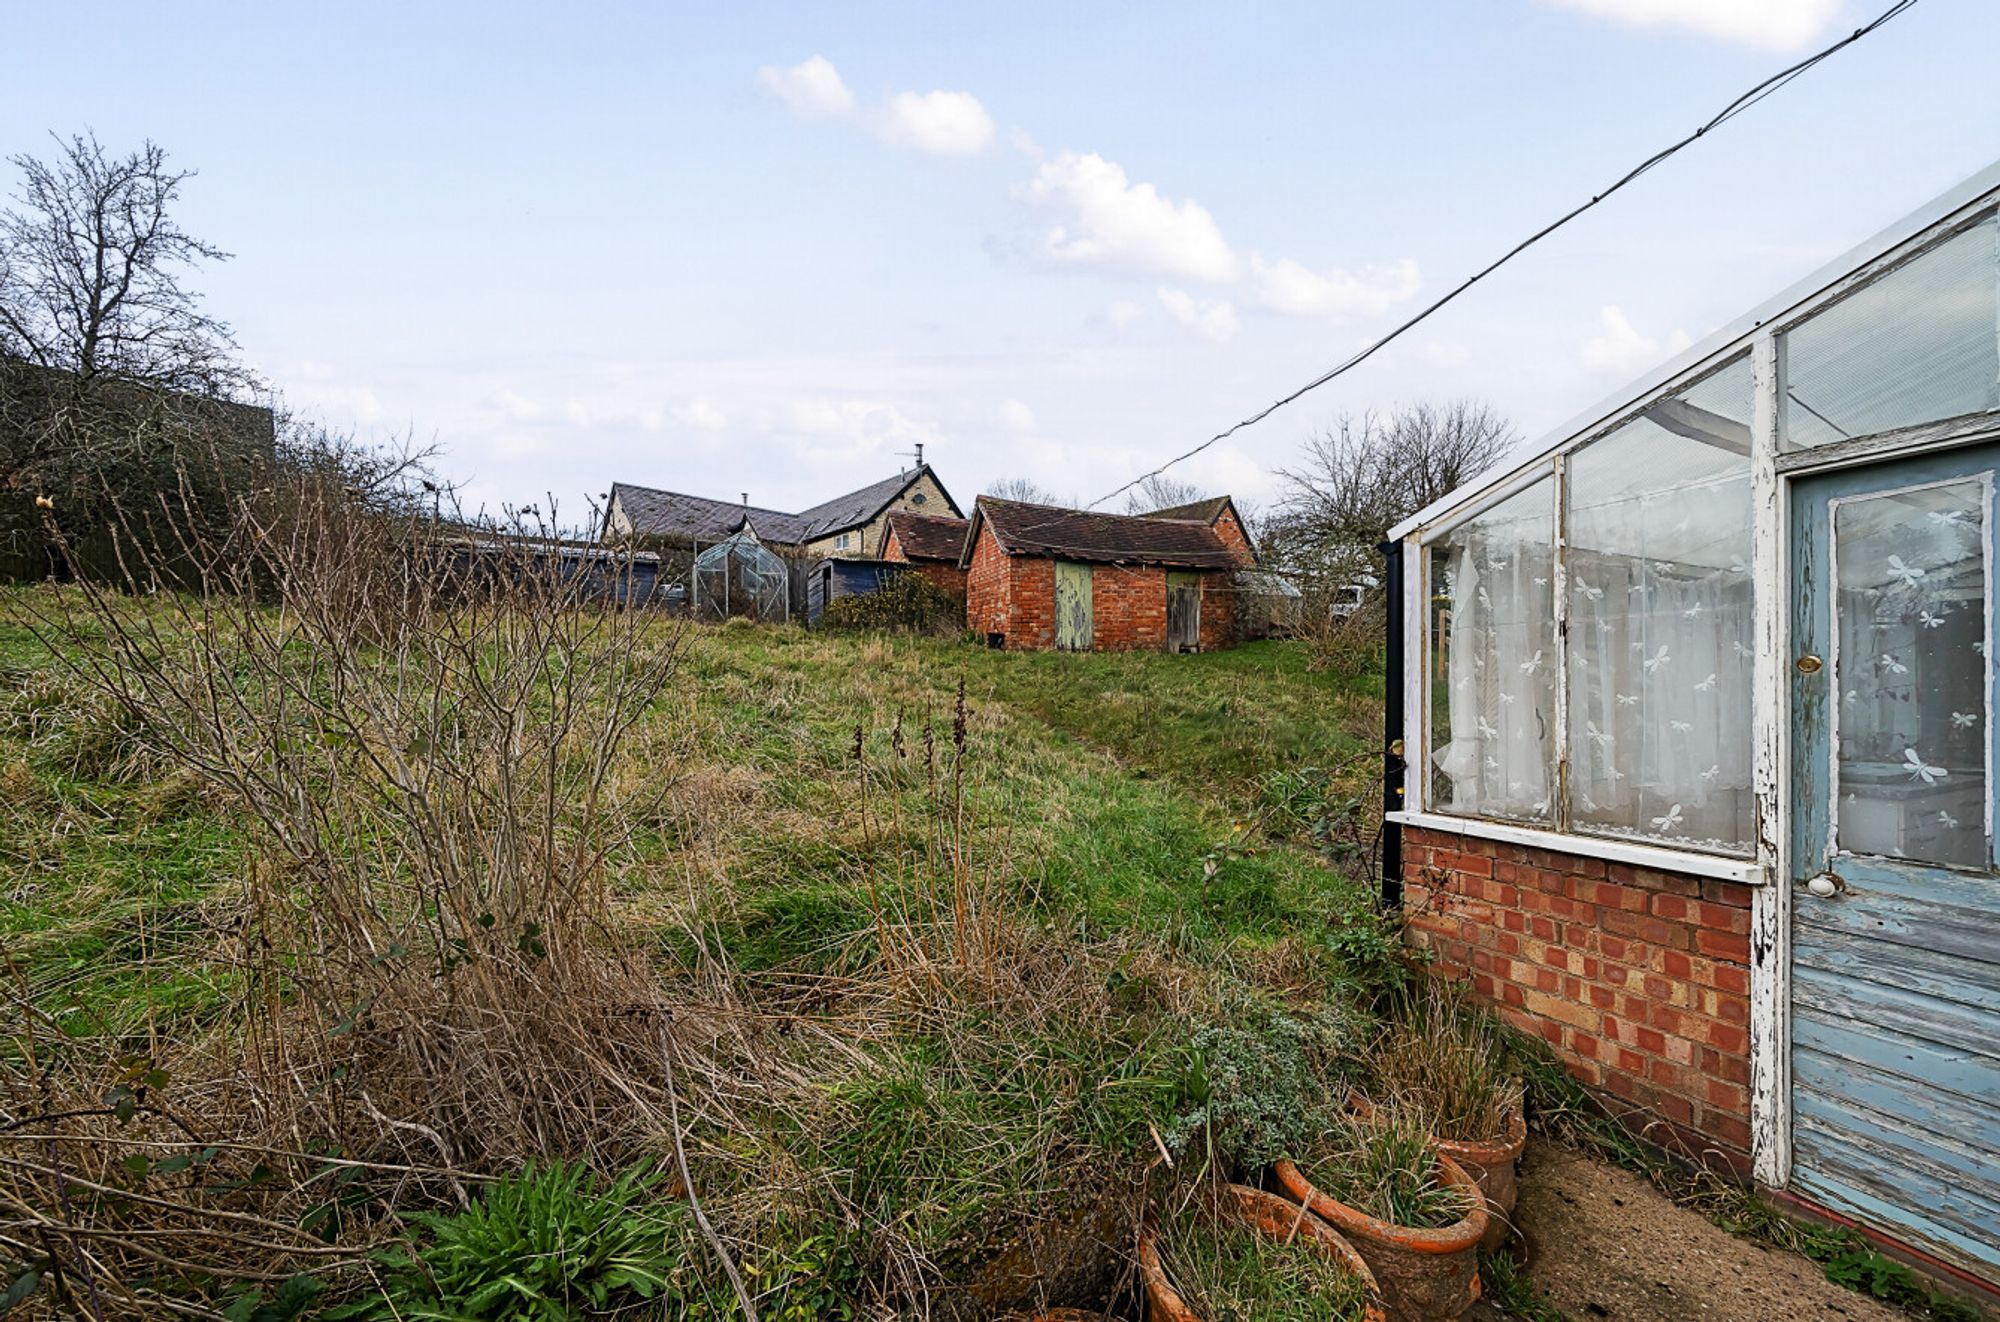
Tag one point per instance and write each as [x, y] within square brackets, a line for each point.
[850, 526]
[1041, 577]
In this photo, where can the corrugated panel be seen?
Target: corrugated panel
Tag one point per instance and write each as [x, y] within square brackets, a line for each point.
[1896, 1057]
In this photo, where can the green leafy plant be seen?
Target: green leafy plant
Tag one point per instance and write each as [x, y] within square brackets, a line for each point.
[1229, 1273]
[551, 1244]
[908, 601]
[1255, 1083]
[1385, 1167]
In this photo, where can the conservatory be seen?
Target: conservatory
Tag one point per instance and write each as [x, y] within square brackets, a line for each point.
[1691, 742]
[740, 577]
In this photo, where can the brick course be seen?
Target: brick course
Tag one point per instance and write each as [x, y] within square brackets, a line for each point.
[1639, 979]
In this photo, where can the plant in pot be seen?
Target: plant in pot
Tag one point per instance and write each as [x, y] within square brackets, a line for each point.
[1234, 1254]
[1414, 1215]
[1445, 1063]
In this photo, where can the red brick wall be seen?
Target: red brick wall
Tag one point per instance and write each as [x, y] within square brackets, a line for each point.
[1232, 535]
[1218, 612]
[946, 575]
[1129, 607]
[989, 588]
[1639, 979]
[1016, 596]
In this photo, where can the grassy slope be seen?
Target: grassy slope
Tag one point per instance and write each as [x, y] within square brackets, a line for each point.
[1127, 792]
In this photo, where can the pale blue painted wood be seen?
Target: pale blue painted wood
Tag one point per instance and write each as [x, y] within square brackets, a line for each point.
[1895, 1079]
[1919, 970]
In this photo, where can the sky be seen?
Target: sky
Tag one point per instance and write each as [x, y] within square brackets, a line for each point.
[768, 248]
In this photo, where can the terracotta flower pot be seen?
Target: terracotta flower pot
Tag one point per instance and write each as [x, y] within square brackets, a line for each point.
[1273, 1218]
[1425, 1275]
[1491, 1164]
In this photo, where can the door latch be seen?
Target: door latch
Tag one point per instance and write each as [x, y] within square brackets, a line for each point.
[1809, 664]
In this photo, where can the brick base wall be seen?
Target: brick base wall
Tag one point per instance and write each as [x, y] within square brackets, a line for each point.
[1639, 979]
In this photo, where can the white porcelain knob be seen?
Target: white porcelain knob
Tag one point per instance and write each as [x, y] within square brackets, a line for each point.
[1824, 885]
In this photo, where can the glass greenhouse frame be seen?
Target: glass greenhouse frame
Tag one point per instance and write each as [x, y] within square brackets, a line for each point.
[1735, 626]
[740, 577]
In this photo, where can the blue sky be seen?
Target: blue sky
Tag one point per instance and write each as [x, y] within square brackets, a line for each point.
[768, 247]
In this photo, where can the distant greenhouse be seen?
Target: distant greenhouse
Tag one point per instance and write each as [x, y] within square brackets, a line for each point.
[740, 577]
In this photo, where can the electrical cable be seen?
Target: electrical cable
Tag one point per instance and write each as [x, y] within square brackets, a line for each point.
[1743, 102]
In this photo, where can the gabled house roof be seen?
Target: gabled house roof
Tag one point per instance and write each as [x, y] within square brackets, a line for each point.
[1067, 534]
[656, 513]
[929, 536]
[1210, 512]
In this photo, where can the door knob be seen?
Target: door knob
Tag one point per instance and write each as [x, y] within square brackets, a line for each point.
[1809, 664]
[1825, 885]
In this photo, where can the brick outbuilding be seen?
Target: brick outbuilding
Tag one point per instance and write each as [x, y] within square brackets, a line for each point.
[931, 544]
[1040, 577]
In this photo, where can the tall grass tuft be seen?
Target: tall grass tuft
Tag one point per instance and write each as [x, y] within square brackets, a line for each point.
[1441, 1060]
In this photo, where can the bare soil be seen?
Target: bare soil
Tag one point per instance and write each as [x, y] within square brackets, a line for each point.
[1603, 1243]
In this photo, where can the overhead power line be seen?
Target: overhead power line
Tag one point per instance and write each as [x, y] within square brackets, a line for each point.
[1727, 113]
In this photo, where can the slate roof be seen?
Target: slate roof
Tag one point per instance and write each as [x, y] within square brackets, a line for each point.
[656, 513]
[929, 536]
[1132, 539]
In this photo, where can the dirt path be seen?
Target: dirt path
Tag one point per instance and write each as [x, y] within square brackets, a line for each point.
[1605, 1244]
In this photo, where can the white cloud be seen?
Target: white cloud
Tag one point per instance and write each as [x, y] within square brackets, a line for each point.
[1212, 318]
[1115, 223]
[518, 407]
[1620, 348]
[943, 123]
[1287, 286]
[1023, 142]
[1123, 312]
[811, 88]
[848, 431]
[1018, 416]
[1771, 24]
[702, 413]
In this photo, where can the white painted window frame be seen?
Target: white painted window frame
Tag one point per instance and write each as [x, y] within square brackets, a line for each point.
[1772, 470]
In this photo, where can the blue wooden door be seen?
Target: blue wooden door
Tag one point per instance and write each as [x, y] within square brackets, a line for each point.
[1895, 1079]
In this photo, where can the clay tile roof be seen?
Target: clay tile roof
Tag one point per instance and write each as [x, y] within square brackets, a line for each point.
[1201, 511]
[929, 536]
[1048, 530]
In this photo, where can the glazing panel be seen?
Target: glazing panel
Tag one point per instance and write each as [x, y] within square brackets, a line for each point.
[1493, 661]
[1660, 622]
[1920, 344]
[1910, 628]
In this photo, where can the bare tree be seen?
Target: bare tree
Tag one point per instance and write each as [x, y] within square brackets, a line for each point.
[1027, 491]
[1361, 476]
[92, 271]
[115, 384]
[1159, 492]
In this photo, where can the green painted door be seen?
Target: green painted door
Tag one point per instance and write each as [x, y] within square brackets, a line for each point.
[1183, 612]
[1075, 620]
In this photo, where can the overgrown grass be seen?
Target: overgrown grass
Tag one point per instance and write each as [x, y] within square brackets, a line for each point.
[957, 957]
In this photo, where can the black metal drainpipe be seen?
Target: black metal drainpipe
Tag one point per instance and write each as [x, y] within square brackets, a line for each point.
[1392, 722]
